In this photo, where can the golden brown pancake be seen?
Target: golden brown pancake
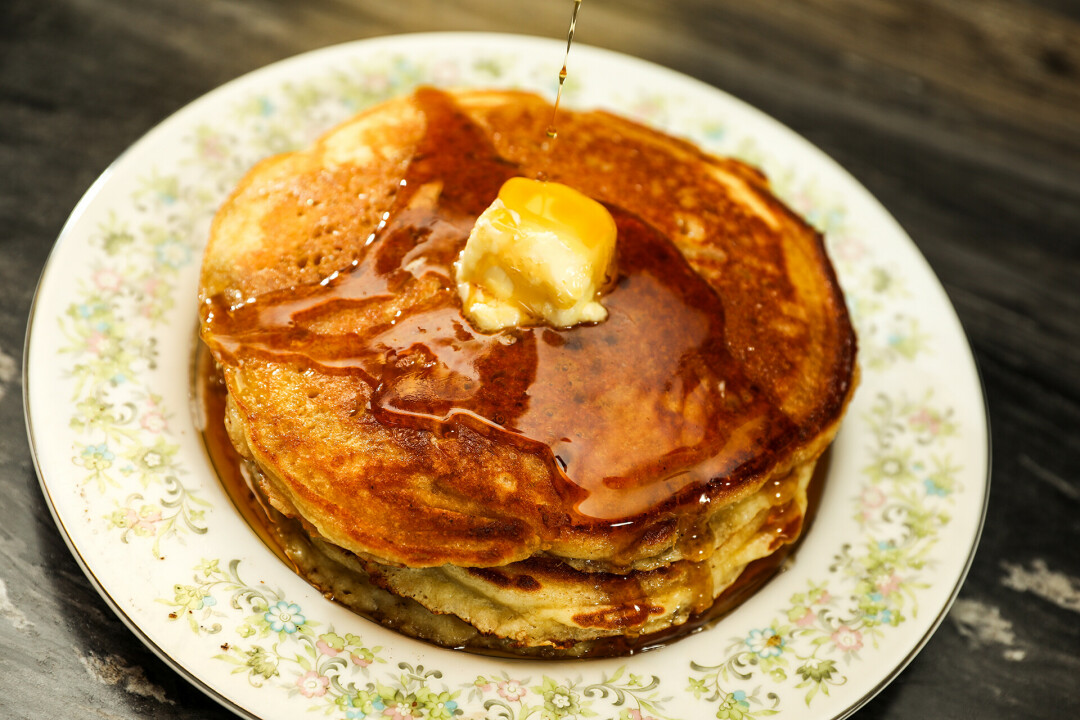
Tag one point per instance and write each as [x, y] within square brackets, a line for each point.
[539, 484]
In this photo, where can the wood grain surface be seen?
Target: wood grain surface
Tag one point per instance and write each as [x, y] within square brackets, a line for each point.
[961, 117]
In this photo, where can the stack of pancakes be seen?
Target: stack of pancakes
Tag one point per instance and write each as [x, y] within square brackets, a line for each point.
[537, 490]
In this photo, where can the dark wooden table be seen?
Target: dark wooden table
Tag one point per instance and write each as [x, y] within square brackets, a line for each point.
[962, 117]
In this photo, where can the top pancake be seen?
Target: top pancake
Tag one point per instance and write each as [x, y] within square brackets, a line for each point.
[321, 258]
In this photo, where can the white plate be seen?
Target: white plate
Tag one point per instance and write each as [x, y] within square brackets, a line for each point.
[122, 465]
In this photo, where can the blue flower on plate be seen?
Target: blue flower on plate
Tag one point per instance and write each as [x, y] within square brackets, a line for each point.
[932, 488]
[766, 643]
[284, 616]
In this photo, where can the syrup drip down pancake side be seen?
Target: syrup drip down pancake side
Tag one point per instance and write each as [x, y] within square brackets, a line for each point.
[545, 487]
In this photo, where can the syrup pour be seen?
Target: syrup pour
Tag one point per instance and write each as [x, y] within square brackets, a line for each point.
[551, 131]
[623, 431]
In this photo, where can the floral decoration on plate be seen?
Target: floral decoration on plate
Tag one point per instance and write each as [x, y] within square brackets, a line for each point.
[122, 465]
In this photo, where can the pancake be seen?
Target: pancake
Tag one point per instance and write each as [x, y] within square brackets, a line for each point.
[548, 488]
[546, 607]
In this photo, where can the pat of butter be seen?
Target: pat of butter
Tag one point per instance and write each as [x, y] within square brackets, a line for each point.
[540, 253]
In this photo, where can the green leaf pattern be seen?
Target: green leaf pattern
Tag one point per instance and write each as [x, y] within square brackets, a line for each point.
[905, 501]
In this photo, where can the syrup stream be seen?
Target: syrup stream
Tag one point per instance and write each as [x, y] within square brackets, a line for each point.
[552, 132]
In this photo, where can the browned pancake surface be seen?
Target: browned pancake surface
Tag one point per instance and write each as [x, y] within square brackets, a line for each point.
[324, 268]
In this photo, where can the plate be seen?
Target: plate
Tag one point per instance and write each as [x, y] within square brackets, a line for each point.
[108, 404]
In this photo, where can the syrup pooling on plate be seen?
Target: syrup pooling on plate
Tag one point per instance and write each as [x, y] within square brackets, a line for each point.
[631, 411]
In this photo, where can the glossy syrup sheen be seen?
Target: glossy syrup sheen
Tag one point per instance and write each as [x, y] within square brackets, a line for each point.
[625, 596]
[629, 412]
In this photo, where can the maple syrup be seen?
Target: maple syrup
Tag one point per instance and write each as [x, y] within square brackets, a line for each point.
[552, 132]
[210, 399]
[272, 528]
[623, 432]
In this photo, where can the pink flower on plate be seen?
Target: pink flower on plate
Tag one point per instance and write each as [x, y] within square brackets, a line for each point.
[512, 690]
[924, 418]
[889, 584]
[143, 522]
[326, 649]
[397, 712]
[847, 639]
[849, 249]
[107, 279]
[150, 288]
[807, 619]
[95, 342]
[211, 147]
[312, 684]
[147, 520]
[377, 83]
[872, 497]
[360, 660]
[153, 421]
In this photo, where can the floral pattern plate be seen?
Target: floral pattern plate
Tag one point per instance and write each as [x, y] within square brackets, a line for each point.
[108, 401]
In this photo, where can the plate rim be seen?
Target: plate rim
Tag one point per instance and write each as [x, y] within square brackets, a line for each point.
[64, 238]
[95, 582]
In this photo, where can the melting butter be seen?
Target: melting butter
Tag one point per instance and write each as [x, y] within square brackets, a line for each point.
[541, 253]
